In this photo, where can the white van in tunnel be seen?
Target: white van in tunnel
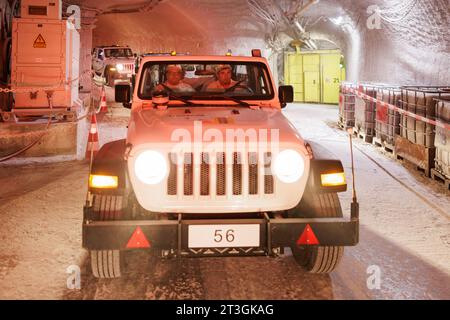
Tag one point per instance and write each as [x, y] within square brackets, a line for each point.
[211, 167]
[113, 63]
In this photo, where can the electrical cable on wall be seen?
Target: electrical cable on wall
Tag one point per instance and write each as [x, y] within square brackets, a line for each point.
[404, 11]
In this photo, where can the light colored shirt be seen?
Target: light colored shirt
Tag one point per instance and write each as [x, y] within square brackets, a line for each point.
[216, 85]
[181, 87]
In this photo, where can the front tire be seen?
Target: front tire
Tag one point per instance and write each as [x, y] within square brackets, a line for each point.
[318, 259]
[107, 264]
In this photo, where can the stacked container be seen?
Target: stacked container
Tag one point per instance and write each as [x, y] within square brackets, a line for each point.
[442, 141]
[346, 106]
[365, 111]
[417, 141]
[387, 120]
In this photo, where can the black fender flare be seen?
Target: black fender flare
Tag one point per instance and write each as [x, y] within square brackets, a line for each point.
[323, 162]
[110, 160]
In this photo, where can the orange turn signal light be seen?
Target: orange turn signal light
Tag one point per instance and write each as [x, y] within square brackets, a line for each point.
[103, 182]
[333, 179]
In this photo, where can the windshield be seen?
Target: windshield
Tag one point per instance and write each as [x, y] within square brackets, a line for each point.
[206, 80]
[118, 53]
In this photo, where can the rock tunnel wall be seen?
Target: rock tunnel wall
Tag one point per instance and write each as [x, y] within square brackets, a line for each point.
[410, 46]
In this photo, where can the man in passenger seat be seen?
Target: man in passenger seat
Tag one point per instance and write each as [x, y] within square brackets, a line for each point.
[224, 80]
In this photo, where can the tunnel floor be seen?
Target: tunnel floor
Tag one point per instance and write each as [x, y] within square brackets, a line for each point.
[405, 234]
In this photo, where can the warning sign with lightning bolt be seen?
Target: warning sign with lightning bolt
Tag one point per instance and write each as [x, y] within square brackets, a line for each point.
[39, 42]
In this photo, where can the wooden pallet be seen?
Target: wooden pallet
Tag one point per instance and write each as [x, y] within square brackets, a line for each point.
[384, 145]
[362, 135]
[420, 156]
[341, 124]
[438, 176]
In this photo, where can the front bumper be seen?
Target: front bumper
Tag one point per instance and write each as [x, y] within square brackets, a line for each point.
[173, 234]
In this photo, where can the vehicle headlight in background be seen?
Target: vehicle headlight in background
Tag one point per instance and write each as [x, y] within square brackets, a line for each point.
[119, 67]
[289, 166]
[150, 167]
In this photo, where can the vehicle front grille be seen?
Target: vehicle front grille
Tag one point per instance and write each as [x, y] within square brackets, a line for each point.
[215, 174]
[127, 68]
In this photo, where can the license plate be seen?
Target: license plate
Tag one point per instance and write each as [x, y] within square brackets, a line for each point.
[224, 236]
[129, 75]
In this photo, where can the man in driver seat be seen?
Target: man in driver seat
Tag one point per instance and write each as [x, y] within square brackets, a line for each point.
[174, 80]
[224, 80]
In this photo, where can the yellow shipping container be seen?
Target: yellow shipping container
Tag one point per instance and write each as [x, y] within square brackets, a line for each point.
[315, 75]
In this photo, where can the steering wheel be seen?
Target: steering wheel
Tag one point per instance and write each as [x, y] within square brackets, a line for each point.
[239, 85]
[170, 90]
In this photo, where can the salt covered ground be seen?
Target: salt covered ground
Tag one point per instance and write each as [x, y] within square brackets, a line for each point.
[405, 234]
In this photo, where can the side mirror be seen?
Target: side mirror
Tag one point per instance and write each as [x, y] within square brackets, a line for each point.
[122, 93]
[285, 95]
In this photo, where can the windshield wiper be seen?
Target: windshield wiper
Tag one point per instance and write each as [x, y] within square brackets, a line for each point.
[185, 101]
[238, 101]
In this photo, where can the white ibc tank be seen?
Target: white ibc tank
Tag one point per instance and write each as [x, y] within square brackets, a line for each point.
[442, 142]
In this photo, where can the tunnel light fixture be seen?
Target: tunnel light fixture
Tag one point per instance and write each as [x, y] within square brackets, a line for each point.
[173, 53]
[103, 181]
[333, 179]
[337, 21]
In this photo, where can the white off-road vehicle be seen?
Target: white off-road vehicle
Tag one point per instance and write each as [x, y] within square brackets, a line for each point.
[212, 167]
[113, 63]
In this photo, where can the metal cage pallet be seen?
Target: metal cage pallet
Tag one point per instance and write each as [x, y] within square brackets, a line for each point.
[387, 121]
[420, 101]
[442, 143]
[416, 142]
[420, 138]
[346, 110]
[365, 112]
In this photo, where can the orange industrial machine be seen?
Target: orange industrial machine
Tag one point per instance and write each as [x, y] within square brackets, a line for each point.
[45, 60]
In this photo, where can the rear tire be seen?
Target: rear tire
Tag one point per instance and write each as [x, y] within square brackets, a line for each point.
[318, 259]
[107, 264]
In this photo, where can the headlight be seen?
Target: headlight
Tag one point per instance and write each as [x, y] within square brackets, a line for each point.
[150, 167]
[119, 67]
[289, 166]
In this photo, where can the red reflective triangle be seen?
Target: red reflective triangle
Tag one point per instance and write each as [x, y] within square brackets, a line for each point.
[138, 240]
[308, 237]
